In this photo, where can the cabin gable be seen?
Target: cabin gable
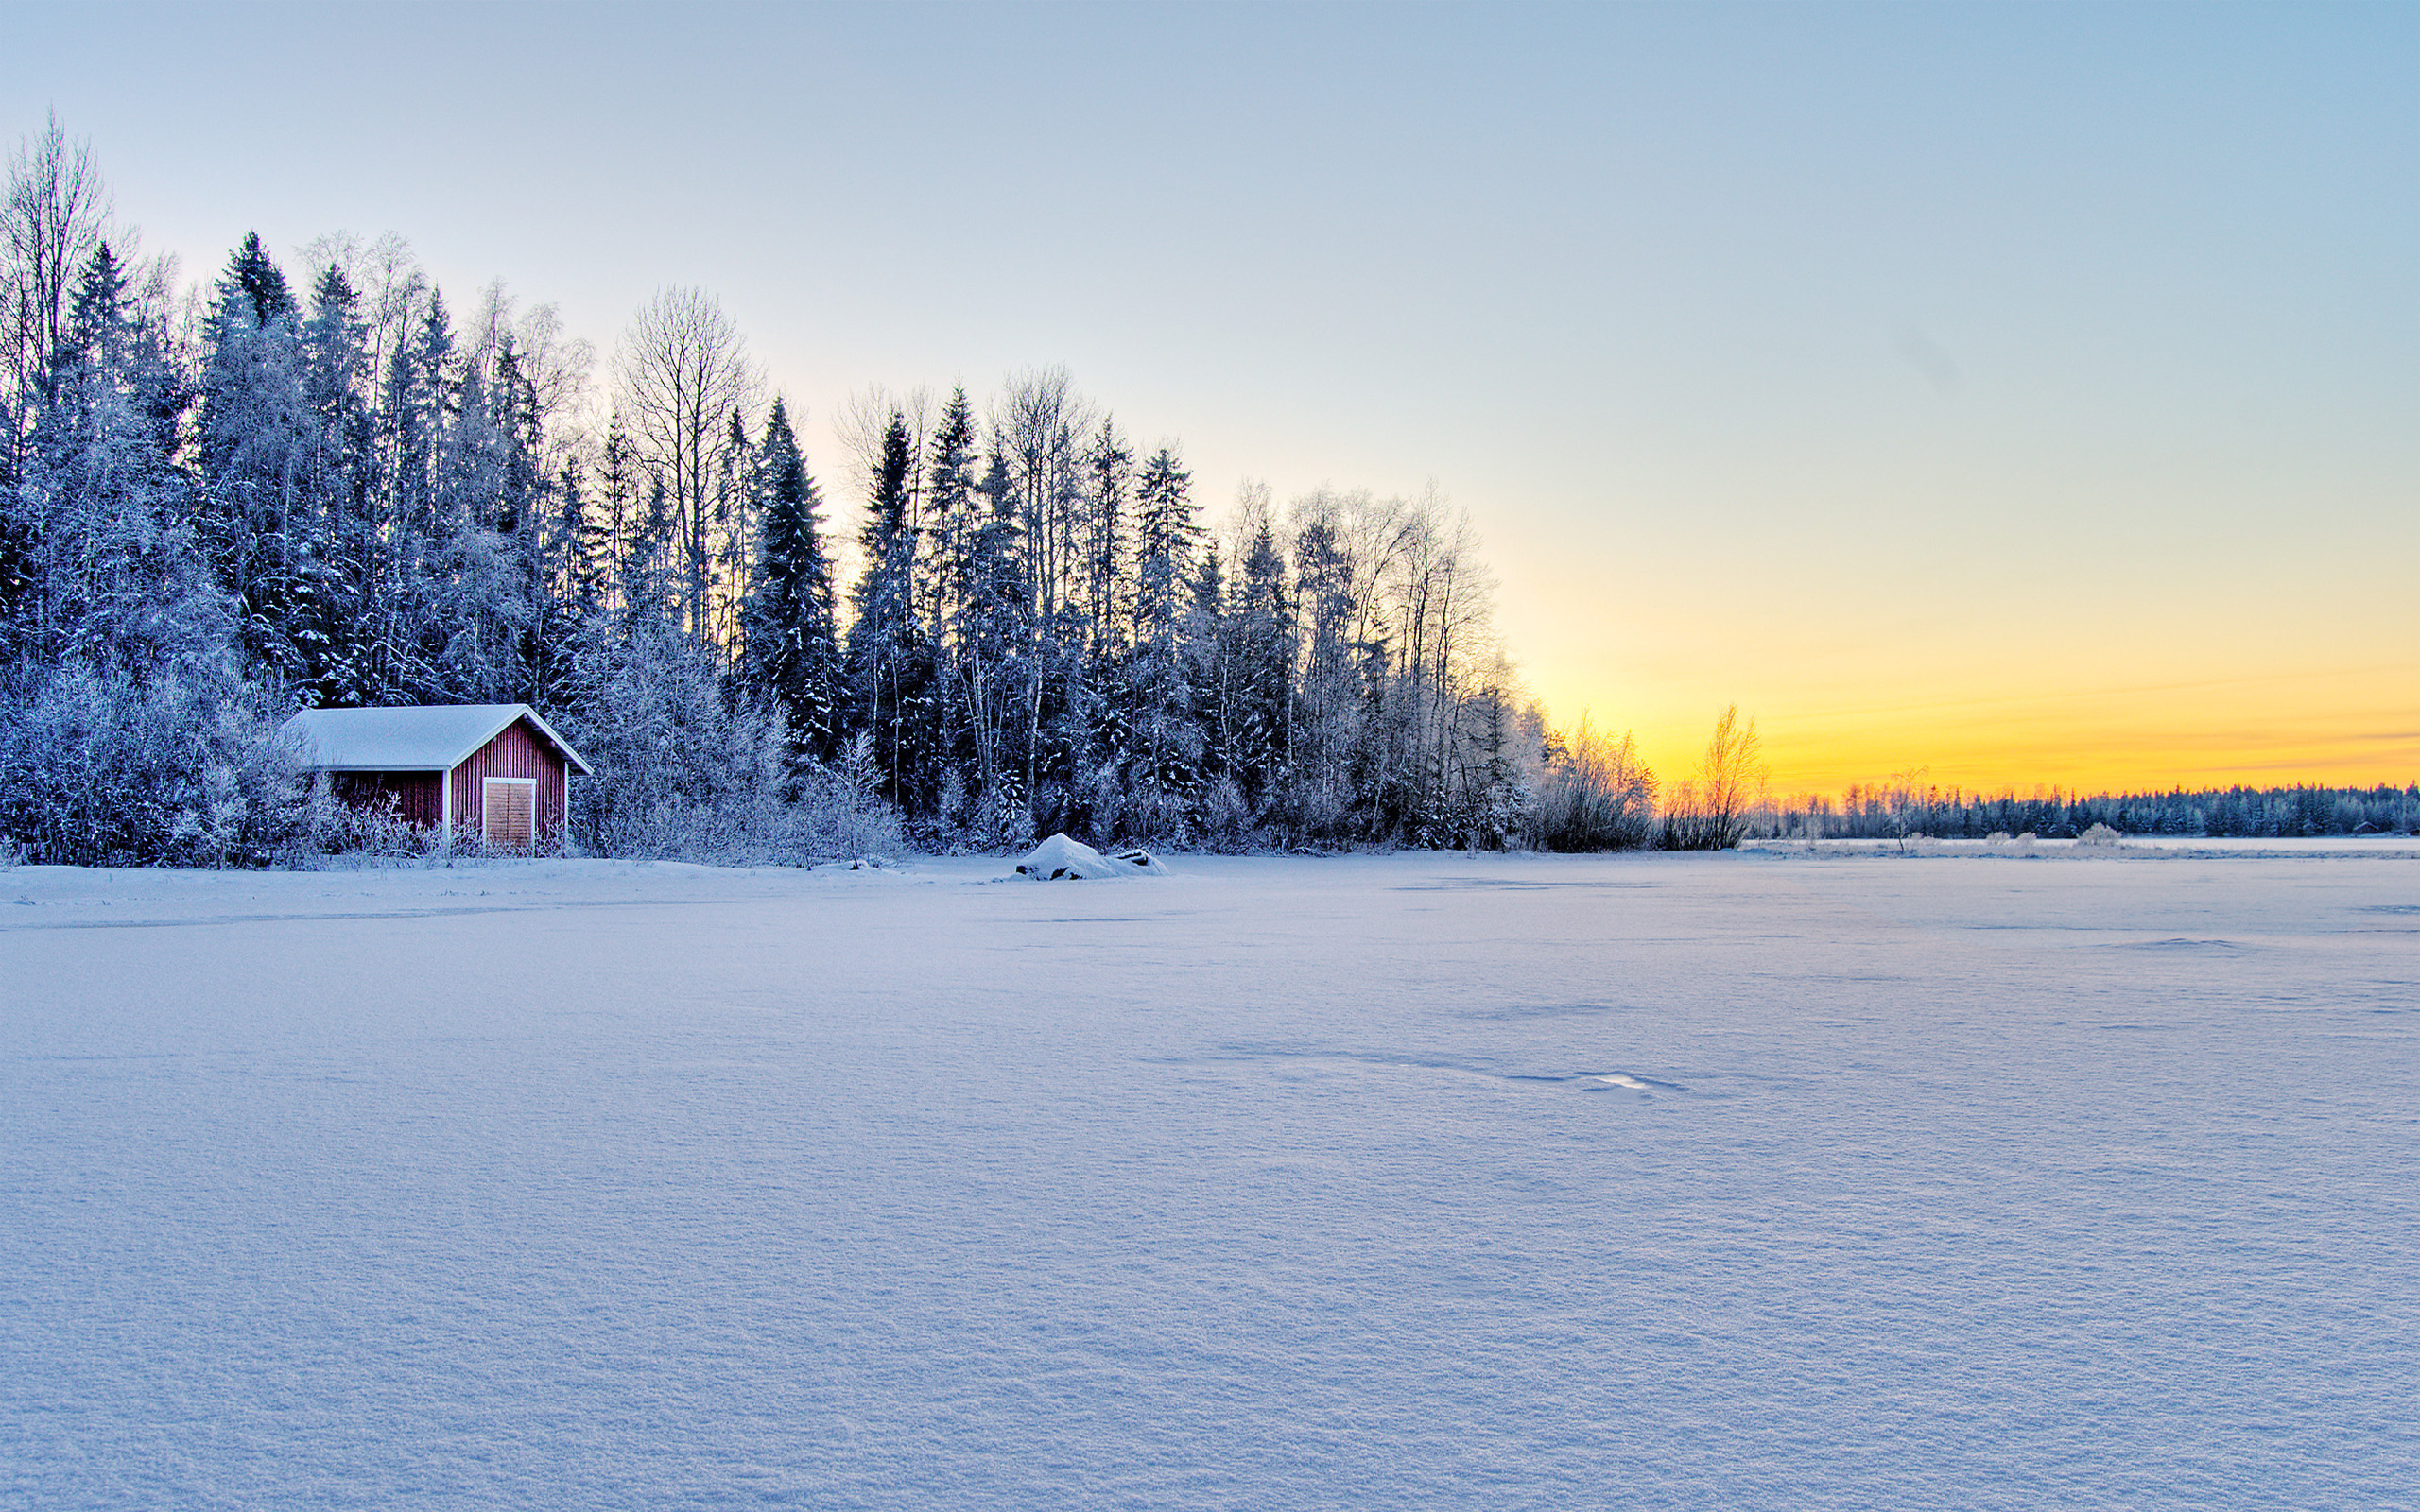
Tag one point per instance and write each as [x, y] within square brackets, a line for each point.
[517, 751]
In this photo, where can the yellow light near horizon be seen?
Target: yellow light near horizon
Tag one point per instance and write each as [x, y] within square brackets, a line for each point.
[2350, 727]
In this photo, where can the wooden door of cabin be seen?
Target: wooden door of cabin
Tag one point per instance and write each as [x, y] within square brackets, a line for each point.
[508, 813]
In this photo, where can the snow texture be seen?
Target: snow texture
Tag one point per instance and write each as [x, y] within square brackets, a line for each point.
[1060, 859]
[1436, 1181]
[425, 738]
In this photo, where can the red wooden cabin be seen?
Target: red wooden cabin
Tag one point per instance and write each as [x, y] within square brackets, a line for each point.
[491, 772]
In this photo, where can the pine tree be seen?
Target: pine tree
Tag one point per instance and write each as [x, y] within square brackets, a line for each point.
[126, 735]
[617, 505]
[888, 654]
[1262, 676]
[1108, 465]
[730, 535]
[261, 533]
[950, 515]
[258, 279]
[996, 653]
[115, 581]
[790, 654]
[1322, 734]
[336, 488]
[1164, 753]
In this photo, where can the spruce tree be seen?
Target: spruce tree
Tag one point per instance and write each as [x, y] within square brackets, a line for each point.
[950, 515]
[338, 489]
[996, 652]
[1263, 675]
[1163, 754]
[112, 579]
[1108, 466]
[789, 652]
[260, 282]
[262, 533]
[888, 661]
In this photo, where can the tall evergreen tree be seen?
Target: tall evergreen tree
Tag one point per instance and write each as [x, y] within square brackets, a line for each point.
[888, 660]
[257, 278]
[996, 651]
[790, 652]
[1263, 679]
[103, 509]
[950, 521]
[1109, 464]
[261, 532]
[1163, 764]
[338, 666]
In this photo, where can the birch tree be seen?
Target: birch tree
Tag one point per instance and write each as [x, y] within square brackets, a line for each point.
[681, 370]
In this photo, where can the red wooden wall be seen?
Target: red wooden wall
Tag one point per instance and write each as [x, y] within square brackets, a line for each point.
[517, 751]
[415, 794]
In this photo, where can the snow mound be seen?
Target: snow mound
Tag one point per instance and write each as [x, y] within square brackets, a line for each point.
[1060, 858]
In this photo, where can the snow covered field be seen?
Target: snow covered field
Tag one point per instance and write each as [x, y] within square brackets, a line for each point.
[1707, 1181]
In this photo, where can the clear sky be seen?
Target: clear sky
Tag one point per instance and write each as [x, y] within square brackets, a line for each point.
[2027, 394]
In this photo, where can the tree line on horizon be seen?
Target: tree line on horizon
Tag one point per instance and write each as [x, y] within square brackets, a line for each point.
[1906, 805]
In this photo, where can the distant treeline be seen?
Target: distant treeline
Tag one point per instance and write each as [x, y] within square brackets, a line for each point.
[1889, 811]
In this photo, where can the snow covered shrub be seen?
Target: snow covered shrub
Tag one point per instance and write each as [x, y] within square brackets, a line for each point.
[183, 768]
[683, 774]
[2099, 835]
[335, 831]
[1594, 795]
[836, 812]
[1226, 818]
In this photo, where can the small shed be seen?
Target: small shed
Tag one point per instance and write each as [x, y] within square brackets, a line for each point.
[492, 772]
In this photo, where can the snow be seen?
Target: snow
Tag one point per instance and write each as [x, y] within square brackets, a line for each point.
[1060, 859]
[424, 738]
[1440, 1181]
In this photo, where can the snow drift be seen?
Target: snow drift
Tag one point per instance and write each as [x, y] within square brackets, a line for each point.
[1060, 859]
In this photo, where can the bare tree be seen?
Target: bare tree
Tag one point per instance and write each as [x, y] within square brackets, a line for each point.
[1037, 419]
[683, 371]
[1440, 603]
[54, 218]
[1714, 812]
[864, 418]
[556, 367]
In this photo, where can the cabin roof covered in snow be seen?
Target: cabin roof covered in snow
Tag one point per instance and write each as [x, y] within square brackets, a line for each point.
[425, 738]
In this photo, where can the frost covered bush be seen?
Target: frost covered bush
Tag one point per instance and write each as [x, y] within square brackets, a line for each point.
[836, 812]
[1594, 795]
[338, 834]
[683, 774]
[2099, 835]
[183, 768]
[1226, 818]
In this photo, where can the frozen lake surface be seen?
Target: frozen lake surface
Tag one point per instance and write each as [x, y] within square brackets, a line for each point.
[1421, 1181]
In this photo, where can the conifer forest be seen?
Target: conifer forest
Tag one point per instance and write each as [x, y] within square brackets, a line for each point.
[317, 482]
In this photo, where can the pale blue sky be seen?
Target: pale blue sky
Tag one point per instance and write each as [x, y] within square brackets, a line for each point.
[1850, 363]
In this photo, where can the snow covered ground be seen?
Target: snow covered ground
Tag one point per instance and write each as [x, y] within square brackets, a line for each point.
[1436, 1181]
